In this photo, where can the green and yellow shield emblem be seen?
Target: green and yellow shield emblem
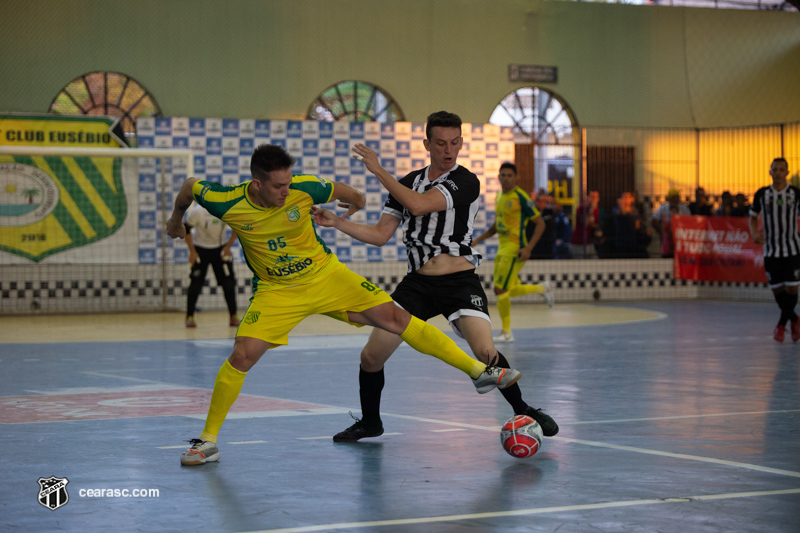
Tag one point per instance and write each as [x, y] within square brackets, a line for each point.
[51, 204]
[293, 213]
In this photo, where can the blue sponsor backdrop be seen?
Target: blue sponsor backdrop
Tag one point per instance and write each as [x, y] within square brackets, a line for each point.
[222, 149]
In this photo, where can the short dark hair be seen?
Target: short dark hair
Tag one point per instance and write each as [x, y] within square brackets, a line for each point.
[442, 119]
[512, 166]
[269, 157]
[780, 160]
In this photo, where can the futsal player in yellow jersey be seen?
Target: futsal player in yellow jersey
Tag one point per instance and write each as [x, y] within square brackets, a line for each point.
[294, 276]
[513, 209]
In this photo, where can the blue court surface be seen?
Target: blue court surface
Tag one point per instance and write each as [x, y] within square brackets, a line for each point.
[685, 421]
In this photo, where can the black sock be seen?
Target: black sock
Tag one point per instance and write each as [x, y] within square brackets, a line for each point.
[791, 303]
[512, 394]
[370, 388]
[786, 305]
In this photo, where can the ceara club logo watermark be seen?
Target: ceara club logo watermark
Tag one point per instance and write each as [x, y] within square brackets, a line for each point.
[53, 492]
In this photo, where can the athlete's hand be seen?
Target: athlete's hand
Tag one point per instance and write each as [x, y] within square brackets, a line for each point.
[758, 237]
[323, 217]
[175, 227]
[524, 254]
[351, 208]
[366, 154]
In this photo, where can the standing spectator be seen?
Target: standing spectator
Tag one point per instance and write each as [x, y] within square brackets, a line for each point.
[587, 227]
[209, 244]
[627, 235]
[562, 248]
[544, 246]
[701, 205]
[741, 207]
[778, 205]
[726, 206]
[662, 220]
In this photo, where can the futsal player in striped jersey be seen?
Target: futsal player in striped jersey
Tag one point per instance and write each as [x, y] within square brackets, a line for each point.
[436, 206]
[513, 209]
[294, 276]
[778, 206]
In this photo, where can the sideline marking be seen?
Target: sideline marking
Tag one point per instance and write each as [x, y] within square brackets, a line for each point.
[527, 512]
[615, 447]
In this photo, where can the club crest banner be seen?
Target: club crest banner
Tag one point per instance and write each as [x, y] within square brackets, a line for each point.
[51, 204]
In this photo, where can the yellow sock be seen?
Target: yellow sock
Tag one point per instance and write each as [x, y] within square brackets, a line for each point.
[429, 340]
[504, 308]
[226, 390]
[522, 290]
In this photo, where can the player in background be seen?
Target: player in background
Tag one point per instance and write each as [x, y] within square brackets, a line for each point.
[513, 209]
[295, 276]
[778, 207]
[436, 206]
[209, 244]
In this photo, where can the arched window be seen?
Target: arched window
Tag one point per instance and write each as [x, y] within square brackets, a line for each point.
[106, 93]
[537, 114]
[355, 101]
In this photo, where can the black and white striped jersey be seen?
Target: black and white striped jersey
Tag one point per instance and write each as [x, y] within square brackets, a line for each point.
[779, 211]
[444, 232]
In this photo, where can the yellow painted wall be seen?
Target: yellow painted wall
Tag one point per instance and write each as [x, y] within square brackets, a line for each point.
[619, 65]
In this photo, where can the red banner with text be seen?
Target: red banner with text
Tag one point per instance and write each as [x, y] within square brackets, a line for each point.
[716, 249]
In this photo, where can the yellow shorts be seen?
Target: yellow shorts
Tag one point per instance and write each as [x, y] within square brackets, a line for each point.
[273, 313]
[506, 271]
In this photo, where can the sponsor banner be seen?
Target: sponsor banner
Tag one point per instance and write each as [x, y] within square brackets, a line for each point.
[223, 147]
[716, 249]
[60, 130]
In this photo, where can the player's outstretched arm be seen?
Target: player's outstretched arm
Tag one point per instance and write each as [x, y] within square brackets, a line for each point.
[175, 227]
[376, 235]
[417, 204]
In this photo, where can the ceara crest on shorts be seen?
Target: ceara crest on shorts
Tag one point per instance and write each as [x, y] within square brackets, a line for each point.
[53, 492]
[49, 204]
[293, 213]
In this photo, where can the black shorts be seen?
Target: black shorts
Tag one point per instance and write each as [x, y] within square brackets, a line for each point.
[452, 295]
[782, 270]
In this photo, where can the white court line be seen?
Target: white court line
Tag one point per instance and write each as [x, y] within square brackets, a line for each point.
[249, 442]
[497, 428]
[528, 512]
[447, 430]
[619, 420]
[616, 447]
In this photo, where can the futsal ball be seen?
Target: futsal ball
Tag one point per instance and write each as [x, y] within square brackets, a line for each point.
[521, 436]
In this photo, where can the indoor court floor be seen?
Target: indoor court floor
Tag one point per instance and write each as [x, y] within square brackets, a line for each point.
[675, 416]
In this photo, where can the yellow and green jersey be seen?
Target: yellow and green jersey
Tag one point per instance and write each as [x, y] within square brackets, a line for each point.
[280, 244]
[514, 210]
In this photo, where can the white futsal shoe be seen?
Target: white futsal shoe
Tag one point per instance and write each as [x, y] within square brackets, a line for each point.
[548, 294]
[201, 452]
[503, 337]
[494, 376]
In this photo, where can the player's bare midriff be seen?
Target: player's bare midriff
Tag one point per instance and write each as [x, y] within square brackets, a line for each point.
[445, 264]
